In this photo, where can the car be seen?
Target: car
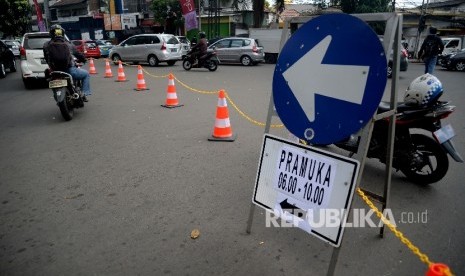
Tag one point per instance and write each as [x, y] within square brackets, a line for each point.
[185, 45]
[32, 59]
[104, 46]
[404, 61]
[243, 50]
[149, 48]
[88, 48]
[443, 59]
[7, 60]
[13, 45]
[456, 62]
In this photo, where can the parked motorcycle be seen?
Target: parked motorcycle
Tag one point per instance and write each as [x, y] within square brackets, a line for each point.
[66, 92]
[210, 61]
[419, 157]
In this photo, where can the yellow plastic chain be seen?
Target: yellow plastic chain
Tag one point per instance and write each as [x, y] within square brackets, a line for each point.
[423, 257]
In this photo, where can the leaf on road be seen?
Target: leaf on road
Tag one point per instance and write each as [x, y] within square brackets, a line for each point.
[195, 234]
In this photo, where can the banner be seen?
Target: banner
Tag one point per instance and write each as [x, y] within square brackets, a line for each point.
[112, 22]
[190, 16]
[190, 21]
[187, 6]
[40, 20]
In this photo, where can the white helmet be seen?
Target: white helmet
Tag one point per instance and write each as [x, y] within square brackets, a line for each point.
[423, 91]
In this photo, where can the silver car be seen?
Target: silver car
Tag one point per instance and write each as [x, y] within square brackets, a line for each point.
[246, 51]
[150, 48]
[13, 45]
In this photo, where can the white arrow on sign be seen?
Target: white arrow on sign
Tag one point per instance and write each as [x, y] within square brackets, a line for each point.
[308, 76]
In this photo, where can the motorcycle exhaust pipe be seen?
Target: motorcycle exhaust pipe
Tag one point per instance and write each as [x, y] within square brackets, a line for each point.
[75, 96]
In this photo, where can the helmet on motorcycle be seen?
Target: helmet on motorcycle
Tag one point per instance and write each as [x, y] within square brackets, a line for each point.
[202, 35]
[57, 31]
[423, 91]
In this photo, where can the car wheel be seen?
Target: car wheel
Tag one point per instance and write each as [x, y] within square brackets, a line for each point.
[152, 60]
[27, 83]
[115, 58]
[246, 61]
[13, 66]
[460, 66]
[389, 71]
[2, 71]
[171, 62]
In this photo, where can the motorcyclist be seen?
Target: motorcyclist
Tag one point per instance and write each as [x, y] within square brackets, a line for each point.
[57, 34]
[200, 49]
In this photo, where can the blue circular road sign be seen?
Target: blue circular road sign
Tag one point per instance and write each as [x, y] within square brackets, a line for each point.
[329, 78]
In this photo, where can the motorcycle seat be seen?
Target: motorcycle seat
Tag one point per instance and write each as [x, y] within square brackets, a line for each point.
[401, 107]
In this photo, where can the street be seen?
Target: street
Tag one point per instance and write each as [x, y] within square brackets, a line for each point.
[118, 189]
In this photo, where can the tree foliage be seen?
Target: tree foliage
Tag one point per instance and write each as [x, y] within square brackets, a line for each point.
[14, 17]
[161, 8]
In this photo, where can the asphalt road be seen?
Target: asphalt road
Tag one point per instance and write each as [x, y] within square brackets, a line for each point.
[118, 190]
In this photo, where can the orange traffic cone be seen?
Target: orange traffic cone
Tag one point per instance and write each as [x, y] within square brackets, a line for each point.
[121, 75]
[171, 97]
[108, 73]
[140, 80]
[92, 67]
[438, 269]
[222, 130]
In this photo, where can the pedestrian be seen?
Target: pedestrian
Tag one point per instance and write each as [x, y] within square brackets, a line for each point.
[430, 49]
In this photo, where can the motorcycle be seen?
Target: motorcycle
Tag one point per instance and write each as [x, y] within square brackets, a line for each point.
[422, 159]
[66, 92]
[210, 61]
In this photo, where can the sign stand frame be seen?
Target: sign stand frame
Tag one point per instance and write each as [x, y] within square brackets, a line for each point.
[391, 42]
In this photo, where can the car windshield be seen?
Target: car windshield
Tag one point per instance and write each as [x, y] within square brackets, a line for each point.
[183, 39]
[171, 40]
[35, 42]
[91, 44]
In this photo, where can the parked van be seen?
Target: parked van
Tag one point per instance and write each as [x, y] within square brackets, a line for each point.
[452, 44]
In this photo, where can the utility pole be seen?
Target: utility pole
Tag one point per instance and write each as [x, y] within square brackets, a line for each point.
[421, 26]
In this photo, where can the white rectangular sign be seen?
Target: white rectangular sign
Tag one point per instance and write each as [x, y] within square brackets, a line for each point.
[308, 187]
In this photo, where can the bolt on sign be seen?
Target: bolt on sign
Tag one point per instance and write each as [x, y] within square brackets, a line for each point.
[305, 186]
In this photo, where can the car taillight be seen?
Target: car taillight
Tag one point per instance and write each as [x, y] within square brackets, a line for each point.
[22, 52]
[254, 49]
[163, 46]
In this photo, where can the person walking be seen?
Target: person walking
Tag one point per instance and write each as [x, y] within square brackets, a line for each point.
[430, 49]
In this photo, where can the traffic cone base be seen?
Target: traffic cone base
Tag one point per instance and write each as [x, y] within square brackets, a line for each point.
[225, 139]
[172, 106]
[222, 131]
[171, 97]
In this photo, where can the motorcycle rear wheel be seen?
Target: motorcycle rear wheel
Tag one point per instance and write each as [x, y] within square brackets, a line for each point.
[432, 162]
[187, 65]
[213, 65]
[66, 107]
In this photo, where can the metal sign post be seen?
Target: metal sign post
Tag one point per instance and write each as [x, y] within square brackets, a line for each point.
[391, 42]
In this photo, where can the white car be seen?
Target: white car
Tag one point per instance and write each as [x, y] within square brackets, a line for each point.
[185, 45]
[150, 48]
[33, 63]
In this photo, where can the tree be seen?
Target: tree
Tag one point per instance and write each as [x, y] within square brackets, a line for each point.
[14, 17]
[163, 9]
